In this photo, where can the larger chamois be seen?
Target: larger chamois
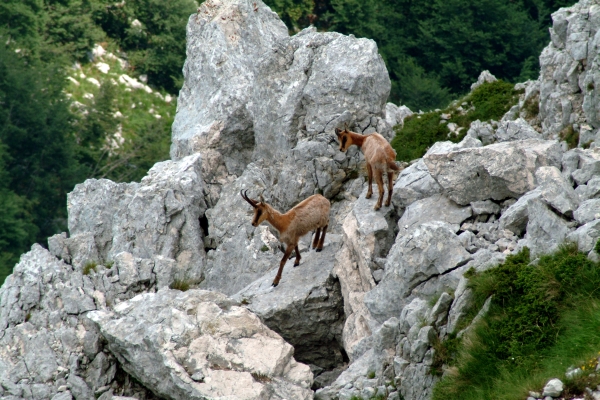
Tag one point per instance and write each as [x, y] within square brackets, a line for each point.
[380, 159]
[312, 214]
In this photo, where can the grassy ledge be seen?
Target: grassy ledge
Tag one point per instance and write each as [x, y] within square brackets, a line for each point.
[489, 101]
[544, 319]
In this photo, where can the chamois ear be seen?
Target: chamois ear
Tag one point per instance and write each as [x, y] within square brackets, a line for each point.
[262, 199]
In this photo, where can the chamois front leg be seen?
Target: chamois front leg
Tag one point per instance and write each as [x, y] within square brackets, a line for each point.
[286, 255]
[379, 180]
[370, 175]
[390, 176]
[316, 239]
[297, 262]
[322, 239]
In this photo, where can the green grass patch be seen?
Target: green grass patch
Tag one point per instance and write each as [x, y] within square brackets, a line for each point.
[570, 136]
[180, 284]
[543, 319]
[489, 101]
[89, 267]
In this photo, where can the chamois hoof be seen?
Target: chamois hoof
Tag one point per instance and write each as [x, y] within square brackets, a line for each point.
[368, 196]
[275, 284]
[319, 250]
[387, 203]
[296, 264]
[377, 207]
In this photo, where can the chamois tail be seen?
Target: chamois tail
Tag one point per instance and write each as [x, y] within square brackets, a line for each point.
[392, 165]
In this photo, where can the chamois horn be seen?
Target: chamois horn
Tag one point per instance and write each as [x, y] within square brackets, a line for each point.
[249, 200]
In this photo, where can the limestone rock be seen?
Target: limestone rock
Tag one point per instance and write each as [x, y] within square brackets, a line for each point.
[395, 115]
[515, 218]
[568, 96]
[586, 236]
[515, 130]
[44, 335]
[496, 171]
[553, 388]
[545, 230]
[484, 77]
[429, 250]
[588, 211]
[556, 191]
[589, 166]
[306, 307]
[414, 183]
[367, 238]
[262, 92]
[157, 217]
[482, 131]
[199, 344]
[435, 208]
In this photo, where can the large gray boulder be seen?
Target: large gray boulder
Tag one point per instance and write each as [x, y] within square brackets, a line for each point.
[414, 183]
[367, 237]
[428, 251]
[546, 231]
[47, 346]
[516, 130]
[262, 93]
[569, 71]
[199, 344]
[494, 172]
[306, 308]
[434, 208]
[556, 191]
[160, 216]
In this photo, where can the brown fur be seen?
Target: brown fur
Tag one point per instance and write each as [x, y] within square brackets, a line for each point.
[311, 214]
[380, 159]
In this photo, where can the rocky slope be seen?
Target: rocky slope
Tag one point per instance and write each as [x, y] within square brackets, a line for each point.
[101, 313]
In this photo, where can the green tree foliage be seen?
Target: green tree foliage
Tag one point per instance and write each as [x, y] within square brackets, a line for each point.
[439, 47]
[152, 33]
[17, 230]
[51, 29]
[35, 128]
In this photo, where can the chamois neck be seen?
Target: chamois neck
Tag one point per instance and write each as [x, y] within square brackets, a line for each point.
[275, 219]
[357, 138]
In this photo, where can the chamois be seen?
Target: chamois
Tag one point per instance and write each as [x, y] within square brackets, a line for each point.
[380, 159]
[311, 214]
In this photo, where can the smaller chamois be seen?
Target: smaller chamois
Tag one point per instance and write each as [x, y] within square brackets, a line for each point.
[380, 159]
[311, 214]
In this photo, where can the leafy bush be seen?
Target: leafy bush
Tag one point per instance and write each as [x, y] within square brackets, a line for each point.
[489, 101]
[538, 318]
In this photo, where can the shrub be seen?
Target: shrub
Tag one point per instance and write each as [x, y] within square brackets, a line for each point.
[542, 318]
[489, 101]
[180, 284]
[570, 136]
[89, 267]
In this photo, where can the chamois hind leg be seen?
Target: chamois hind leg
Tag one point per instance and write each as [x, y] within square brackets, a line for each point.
[390, 176]
[379, 180]
[322, 239]
[297, 262]
[316, 239]
[286, 255]
[370, 175]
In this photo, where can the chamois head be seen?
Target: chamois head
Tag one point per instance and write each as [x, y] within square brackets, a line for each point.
[344, 138]
[260, 209]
